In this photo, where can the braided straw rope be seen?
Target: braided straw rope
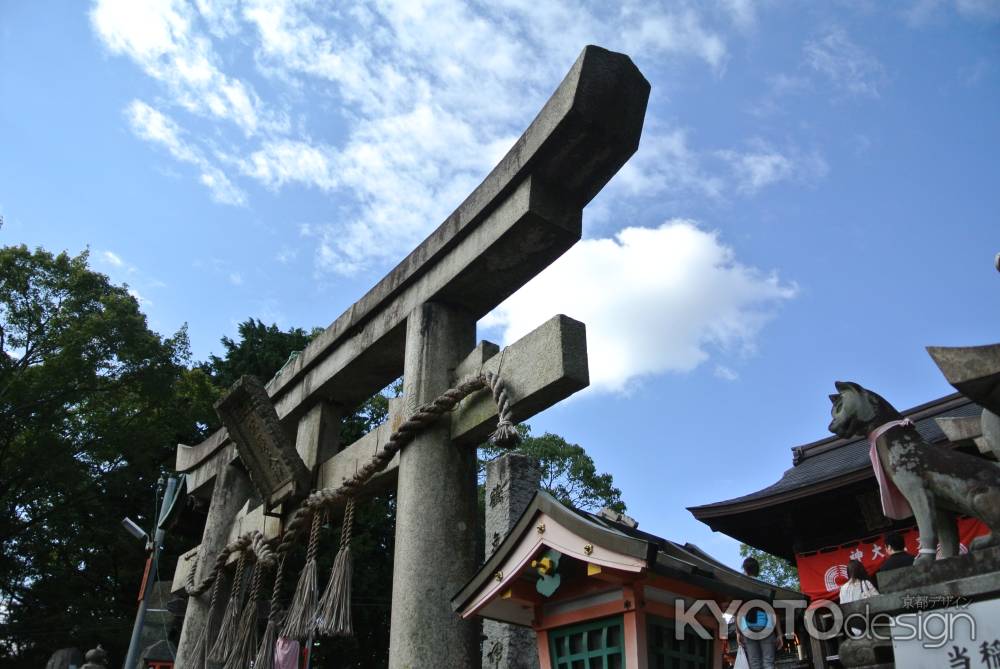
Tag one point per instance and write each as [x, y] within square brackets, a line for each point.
[322, 500]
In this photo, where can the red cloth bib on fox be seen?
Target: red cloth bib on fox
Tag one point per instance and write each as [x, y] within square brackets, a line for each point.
[894, 505]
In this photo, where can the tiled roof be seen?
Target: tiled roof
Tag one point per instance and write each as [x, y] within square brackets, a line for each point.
[833, 457]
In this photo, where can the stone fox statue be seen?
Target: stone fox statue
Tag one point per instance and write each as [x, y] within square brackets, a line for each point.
[933, 483]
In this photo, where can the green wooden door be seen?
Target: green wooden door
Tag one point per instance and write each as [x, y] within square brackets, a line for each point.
[597, 644]
[668, 652]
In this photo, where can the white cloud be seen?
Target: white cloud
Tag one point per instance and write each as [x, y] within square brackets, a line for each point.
[429, 94]
[236, 278]
[112, 258]
[763, 165]
[153, 126]
[286, 161]
[743, 13]
[679, 32]
[923, 12]
[163, 38]
[666, 163]
[979, 9]
[725, 373]
[143, 301]
[655, 300]
[847, 66]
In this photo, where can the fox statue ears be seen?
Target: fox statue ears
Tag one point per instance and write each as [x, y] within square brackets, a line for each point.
[842, 386]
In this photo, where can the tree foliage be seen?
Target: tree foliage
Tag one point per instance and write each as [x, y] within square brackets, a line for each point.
[92, 405]
[260, 350]
[773, 569]
[568, 473]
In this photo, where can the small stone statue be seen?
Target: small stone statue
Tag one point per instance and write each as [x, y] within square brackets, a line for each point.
[96, 658]
[915, 478]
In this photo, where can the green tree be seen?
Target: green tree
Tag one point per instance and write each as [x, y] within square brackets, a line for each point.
[92, 404]
[260, 350]
[568, 473]
[773, 569]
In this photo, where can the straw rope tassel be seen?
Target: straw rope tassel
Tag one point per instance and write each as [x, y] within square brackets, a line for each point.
[245, 641]
[265, 656]
[301, 618]
[335, 605]
[227, 631]
[204, 641]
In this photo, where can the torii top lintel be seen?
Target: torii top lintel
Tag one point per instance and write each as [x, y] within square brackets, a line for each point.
[525, 214]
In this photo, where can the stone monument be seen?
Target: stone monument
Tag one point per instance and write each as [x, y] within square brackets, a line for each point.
[419, 322]
[511, 482]
[96, 658]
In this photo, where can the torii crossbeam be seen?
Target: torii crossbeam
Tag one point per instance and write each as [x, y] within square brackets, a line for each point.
[419, 322]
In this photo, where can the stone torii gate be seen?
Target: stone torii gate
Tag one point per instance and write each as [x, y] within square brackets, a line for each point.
[419, 322]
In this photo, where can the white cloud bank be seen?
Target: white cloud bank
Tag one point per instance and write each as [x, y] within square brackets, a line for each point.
[654, 300]
[424, 96]
[154, 126]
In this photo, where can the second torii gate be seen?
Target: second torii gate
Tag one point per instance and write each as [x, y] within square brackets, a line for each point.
[419, 321]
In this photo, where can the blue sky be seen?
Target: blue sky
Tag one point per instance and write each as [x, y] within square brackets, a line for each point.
[815, 198]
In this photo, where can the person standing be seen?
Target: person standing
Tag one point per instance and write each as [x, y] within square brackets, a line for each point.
[895, 548]
[859, 585]
[760, 652]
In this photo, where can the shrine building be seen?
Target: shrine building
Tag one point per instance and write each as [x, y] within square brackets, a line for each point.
[825, 510]
[601, 593]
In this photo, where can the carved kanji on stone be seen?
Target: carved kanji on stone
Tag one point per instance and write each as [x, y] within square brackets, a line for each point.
[276, 470]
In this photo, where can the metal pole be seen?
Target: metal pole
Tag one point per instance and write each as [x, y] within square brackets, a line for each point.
[140, 616]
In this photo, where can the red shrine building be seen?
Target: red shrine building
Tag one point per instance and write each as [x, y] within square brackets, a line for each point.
[599, 592]
[825, 510]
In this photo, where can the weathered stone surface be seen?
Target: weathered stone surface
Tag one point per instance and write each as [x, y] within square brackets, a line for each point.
[967, 428]
[436, 515]
[347, 462]
[968, 578]
[420, 320]
[276, 470]
[545, 366]
[540, 369]
[524, 215]
[985, 561]
[937, 483]
[232, 489]
[511, 482]
[960, 428]
[973, 370]
[64, 658]
[318, 435]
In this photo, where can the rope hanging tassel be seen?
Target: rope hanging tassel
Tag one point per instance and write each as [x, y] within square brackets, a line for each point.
[304, 615]
[245, 643]
[265, 656]
[301, 620]
[335, 605]
[230, 620]
[245, 639]
[506, 433]
[202, 646]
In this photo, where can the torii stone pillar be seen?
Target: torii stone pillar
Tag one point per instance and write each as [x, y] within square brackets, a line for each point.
[436, 528]
[511, 482]
[419, 322]
[232, 489]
